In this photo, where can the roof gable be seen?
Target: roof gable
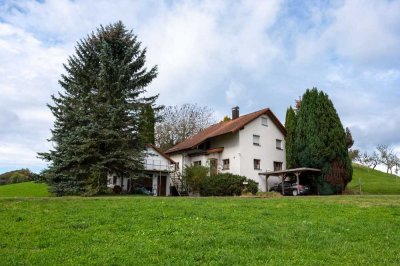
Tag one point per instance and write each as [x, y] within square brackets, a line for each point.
[222, 128]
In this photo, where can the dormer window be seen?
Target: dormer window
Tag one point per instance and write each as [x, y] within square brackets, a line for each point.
[256, 140]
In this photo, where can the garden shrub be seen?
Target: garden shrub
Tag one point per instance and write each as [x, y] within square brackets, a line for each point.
[226, 184]
[193, 175]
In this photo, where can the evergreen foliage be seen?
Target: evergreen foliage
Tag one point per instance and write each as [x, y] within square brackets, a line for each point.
[97, 116]
[146, 124]
[320, 142]
[290, 125]
[226, 184]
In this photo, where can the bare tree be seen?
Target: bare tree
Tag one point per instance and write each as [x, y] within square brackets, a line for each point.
[387, 157]
[181, 122]
[354, 155]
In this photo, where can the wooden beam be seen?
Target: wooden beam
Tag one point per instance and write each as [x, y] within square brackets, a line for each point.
[297, 174]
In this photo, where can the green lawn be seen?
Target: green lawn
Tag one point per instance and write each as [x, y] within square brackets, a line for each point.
[374, 182]
[334, 230]
[26, 189]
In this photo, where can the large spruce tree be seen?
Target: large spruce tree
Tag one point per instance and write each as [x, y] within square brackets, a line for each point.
[320, 141]
[97, 116]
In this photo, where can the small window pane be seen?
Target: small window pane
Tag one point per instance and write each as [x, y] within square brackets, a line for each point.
[279, 144]
[225, 164]
[257, 164]
[256, 140]
[264, 121]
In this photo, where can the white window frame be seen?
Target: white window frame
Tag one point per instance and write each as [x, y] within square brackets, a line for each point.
[280, 146]
[224, 165]
[264, 121]
[256, 140]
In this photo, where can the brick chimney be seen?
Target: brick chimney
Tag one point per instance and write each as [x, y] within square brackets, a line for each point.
[235, 112]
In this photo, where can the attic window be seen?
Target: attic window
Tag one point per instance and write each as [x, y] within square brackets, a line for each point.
[256, 140]
[264, 121]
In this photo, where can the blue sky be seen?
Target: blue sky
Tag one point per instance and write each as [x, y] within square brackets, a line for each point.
[253, 54]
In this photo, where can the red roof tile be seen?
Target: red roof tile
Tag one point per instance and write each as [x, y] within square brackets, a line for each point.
[222, 128]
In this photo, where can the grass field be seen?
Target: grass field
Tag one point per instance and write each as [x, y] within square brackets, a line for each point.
[26, 189]
[356, 230]
[374, 182]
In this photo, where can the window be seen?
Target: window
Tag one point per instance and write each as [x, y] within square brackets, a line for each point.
[264, 121]
[278, 166]
[114, 179]
[225, 164]
[279, 144]
[257, 164]
[256, 140]
[197, 163]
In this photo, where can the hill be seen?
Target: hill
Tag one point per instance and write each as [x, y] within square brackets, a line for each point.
[26, 189]
[373, 181]
[17, 176]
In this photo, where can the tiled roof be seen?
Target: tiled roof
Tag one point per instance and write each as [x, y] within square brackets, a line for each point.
[222, 128]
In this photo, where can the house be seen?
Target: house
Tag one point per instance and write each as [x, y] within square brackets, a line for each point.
[155, 177]
[246, 145]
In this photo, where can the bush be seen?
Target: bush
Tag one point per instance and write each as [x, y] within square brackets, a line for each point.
[194, 175]
[226, 184]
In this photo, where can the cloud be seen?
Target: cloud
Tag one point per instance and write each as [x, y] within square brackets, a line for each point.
[254, 54]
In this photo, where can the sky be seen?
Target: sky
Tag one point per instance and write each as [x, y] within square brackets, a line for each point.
[221, 54]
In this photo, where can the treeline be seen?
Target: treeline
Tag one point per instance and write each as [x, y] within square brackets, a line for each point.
[382, 155]
[18, 176]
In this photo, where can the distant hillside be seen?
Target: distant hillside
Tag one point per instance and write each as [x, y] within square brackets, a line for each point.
[26, 189]
[17, 176]
[374, 181]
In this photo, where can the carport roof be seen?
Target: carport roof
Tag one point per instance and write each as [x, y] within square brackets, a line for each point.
[289, 171]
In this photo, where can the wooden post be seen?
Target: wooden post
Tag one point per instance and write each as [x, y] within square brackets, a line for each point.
[297, 174]
[266, 182]
[283, 184]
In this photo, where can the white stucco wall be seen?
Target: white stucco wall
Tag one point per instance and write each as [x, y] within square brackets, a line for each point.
[266, 152]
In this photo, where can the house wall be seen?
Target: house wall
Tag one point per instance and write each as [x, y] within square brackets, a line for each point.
[241, 152]
[266, 151]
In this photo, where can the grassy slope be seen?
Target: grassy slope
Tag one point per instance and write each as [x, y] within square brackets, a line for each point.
[374, 182]
[344, 230]
[26, 189]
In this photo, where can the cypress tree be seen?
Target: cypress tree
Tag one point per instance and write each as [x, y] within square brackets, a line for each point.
[290, 125]
[320, 141]
[147, 124]
[97, 115]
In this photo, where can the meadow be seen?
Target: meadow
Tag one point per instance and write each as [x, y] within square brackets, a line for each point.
[328, 230]
[374, 182]
[123, 230]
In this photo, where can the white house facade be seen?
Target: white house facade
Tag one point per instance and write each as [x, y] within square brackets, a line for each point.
[155, 177]
[246, 145]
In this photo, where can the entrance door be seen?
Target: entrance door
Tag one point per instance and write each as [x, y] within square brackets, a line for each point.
[213, 166]
[162, 186]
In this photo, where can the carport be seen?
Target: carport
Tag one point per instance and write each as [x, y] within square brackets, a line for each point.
[284, 173]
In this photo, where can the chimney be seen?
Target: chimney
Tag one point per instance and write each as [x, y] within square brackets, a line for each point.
[235, 112]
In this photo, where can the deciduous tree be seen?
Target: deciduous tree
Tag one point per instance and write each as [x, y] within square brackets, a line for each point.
[181, 122]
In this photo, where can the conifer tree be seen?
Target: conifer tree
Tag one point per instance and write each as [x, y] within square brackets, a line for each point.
[97, 115]
[290, 125]
[147, 124]
[320, 141]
